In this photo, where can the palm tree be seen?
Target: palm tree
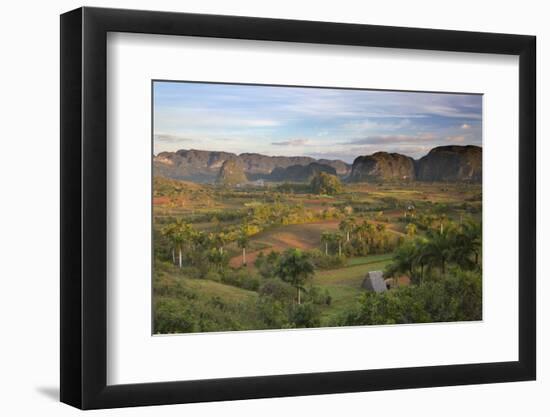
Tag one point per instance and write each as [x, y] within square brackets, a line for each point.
[178, 233]
[359, 231]
[473, 233]
[403, 260]
[439, 247]
[219, 240]
[243, 241]
[326, 238]
[364, 230]
[421, 255]
[295, 267]
[346, 226]
[169, 231]
[338, 238]
[466, 245]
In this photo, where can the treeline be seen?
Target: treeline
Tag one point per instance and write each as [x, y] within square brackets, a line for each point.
[359, 237]
[447, 245]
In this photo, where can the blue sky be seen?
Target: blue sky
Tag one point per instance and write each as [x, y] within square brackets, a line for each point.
[317, 122]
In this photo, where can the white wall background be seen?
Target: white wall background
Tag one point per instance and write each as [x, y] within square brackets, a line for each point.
[29, 237]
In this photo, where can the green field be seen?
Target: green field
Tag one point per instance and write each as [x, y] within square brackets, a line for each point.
[201, 282]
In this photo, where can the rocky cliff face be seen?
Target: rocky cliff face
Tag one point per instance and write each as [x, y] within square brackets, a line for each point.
[300, 173]
[194, 165]
[231, 173]
[443, 163]
[256, 163]
[382, 166]
[204, 166]
[451, 163]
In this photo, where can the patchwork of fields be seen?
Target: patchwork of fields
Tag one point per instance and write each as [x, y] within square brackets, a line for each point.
[223, 271]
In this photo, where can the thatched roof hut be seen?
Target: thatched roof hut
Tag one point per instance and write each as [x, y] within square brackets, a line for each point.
[374, 281]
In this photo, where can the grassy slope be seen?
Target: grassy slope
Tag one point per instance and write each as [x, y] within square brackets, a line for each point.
[217, 289]
[344, 284]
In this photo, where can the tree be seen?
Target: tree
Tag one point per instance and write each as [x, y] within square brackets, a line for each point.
[346, 226]
[439, 247]
[326, 238]
[219, 240]
[178, 233]
[411, 229]
[403, 261]
[472, 232]
[364, 230]
[324, 183]
[338, 238]
[295, 267]
[421, 255]
[169, 231]
[243, 241]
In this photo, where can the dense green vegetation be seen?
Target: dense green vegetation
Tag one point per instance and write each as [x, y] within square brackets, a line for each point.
[295, 255]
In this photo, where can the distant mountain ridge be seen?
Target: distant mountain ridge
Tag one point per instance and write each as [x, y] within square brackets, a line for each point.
[442, 163]
[204, 166]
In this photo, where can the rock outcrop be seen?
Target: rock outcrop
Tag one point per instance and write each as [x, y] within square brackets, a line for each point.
[231, 173]
[382, 166]
[451, 163]
[300, 173]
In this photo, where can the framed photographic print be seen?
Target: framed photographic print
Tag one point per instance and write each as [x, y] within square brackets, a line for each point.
[258, 207]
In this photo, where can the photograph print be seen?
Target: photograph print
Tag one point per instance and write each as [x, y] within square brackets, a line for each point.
[286, 207]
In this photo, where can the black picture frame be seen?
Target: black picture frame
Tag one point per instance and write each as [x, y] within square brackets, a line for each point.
[84, 207]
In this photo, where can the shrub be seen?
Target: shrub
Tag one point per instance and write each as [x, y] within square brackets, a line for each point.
[272, 312]
[241, 278]
[304, 315]
[322, 261]
[318, 296]
[172, 317]
[277, 290]
[213, 276]
[267, 265]
[457, 297]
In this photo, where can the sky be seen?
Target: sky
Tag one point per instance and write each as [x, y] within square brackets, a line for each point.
[318, 122]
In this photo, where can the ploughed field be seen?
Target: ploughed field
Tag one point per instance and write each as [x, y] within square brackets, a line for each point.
[223, 289]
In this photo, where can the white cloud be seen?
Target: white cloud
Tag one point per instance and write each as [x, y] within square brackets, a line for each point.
[465, 126]
[292, 142]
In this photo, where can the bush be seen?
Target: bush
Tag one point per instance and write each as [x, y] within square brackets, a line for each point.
[267, 265]
[272, 312]
[277, 290]
[318, 296]
[172, 317]
[241, 278]
[322, 261]
[304, 315]
[213, 276]
[457, 297]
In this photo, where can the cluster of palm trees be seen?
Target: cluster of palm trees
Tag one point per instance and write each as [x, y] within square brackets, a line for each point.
[349, 230]
[182, 236]
[447, 244]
